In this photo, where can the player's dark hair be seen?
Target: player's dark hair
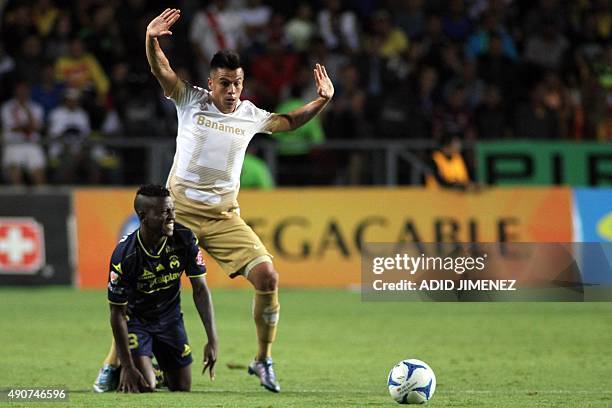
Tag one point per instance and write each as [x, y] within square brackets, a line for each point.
[225, 59]
[148, 190]
[153, 190]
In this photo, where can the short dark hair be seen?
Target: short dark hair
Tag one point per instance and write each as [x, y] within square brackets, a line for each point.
[225, 59]
[148, 190]
[153, 190]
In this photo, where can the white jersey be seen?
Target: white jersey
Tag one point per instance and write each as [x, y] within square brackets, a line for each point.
[15, 115]
[210, 149]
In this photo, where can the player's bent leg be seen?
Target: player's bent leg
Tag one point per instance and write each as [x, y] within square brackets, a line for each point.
[179, 379]
[266, 308]
[145, 366]
[173, 353]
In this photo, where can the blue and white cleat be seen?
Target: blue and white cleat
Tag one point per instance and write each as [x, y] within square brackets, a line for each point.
[107, 379]
[265, 372]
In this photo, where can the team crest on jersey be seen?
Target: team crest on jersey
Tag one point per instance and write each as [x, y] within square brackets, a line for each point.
[114, 277]
[174, 262]
[200, 258]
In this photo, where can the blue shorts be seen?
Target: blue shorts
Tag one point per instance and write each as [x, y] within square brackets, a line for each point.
[165, 339]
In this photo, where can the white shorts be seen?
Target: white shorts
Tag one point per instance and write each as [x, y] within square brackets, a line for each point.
[26, 155]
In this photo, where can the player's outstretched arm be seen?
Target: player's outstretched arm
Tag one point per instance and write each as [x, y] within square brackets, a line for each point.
[160, 66]
[203, 302]
[296, 118]
[131, 379]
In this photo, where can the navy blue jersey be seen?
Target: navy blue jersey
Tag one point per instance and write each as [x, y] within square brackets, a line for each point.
[150, 283]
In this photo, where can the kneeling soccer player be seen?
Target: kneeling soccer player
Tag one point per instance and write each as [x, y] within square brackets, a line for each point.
[144, 296]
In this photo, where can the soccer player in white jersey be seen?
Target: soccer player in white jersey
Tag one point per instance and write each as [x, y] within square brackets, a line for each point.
[214, 130]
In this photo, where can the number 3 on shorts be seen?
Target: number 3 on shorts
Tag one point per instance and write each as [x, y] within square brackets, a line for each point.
[133, 341]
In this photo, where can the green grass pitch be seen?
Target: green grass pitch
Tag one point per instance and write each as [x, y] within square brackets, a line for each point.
[332, 350]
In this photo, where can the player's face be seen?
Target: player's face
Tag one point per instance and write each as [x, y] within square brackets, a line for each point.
[160, 216]
[226, 86]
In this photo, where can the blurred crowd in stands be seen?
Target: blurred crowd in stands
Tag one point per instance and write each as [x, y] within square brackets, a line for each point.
[74, 73]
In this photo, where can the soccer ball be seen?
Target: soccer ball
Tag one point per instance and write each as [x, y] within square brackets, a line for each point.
[411, 382]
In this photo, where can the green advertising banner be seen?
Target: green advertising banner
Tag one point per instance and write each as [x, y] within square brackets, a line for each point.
[544, 163]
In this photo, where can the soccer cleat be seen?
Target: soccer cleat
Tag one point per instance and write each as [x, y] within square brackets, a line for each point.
[160, 379]
[265, 372]
[107, 379]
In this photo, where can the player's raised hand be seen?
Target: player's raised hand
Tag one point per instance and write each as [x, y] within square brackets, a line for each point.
[161, 24]
[131, 380]
[325, 88]
[210, 358]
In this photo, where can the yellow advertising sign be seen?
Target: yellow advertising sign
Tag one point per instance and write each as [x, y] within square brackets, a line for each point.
[316, 235]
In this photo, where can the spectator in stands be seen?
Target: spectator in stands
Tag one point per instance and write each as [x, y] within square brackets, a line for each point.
[22, 121]
[136, 103]
[338, 27]
[255, 17]
[534, 121]
[214, 28]
[300, 29]
[47, 91]
[81, 70]
[274, 71]
[478, 43]
[75, 157]
[44, 15]
[69, 129]
[389, 41]
[546, 48]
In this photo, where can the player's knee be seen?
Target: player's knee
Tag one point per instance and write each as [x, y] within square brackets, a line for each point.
[264, 277]
[269, 279]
